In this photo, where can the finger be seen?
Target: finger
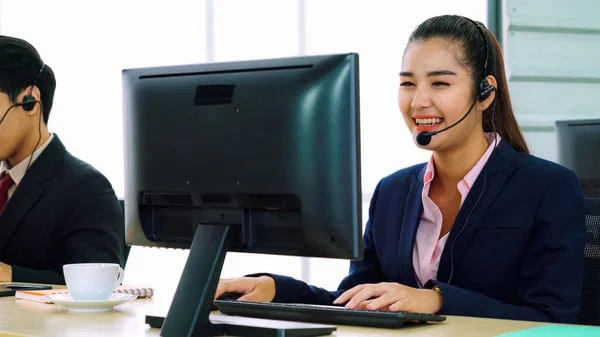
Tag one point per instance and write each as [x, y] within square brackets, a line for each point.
[226, 287]
[348, 294]
[383, 301]
[251, 297]
[365, 294]
[233, 286]
[221, 289]
[400, 305]
[363, 305]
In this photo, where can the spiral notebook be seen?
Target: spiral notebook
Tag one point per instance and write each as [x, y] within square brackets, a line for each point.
[42, 295]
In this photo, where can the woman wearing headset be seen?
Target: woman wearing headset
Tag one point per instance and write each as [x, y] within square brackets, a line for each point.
[483, 228]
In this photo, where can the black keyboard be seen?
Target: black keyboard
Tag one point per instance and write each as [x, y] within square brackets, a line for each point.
[323, 314]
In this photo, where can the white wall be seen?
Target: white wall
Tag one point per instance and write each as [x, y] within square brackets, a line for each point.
[552, 53]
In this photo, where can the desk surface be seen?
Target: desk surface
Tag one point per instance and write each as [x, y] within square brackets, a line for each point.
[21, 317]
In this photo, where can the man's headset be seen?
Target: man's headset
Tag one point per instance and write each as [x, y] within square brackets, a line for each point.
[28, 102]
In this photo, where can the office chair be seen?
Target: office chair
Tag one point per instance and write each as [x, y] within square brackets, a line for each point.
[590, 305]
[126, 247]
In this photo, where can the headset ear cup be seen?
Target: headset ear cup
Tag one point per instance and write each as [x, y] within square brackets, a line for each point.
[28, 102]
[485, 89]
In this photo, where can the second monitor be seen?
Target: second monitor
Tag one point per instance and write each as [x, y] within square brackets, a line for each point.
[258, 156]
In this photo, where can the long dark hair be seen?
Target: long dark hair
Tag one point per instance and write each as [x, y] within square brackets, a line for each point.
[463, 31]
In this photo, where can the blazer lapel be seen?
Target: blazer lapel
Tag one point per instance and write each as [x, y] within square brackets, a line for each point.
[495, 173]
[29, 190]
[412, 215]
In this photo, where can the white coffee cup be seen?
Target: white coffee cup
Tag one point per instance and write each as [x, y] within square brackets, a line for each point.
[92, 281]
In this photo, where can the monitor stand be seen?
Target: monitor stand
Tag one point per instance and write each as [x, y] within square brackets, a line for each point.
[193, 301]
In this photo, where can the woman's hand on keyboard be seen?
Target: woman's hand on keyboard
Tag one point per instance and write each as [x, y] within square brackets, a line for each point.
[254, 289]
[391, 297]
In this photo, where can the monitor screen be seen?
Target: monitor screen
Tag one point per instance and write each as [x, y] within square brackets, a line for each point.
[579, 150]
[270, 147]
[258, 156]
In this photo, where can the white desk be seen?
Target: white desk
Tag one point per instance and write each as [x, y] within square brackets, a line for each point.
[21, 317]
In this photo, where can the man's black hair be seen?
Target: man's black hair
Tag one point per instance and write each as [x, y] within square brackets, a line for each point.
[20, 63]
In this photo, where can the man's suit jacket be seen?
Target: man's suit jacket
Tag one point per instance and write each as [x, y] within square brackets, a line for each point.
[519, 256]
[63, 211]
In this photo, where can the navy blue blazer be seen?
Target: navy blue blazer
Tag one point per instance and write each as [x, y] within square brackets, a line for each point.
[519, 256]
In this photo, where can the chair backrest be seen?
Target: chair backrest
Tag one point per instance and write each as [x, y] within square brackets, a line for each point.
[126, 247]
[590, 306]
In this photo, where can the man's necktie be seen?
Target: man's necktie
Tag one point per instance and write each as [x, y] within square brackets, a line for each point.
[6, 183]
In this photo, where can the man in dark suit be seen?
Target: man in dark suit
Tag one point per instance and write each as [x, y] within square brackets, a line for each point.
[54, 208]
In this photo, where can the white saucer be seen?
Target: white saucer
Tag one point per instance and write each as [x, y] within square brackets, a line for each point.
[67, 301]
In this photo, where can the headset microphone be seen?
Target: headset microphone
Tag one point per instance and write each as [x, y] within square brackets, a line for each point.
[424, 138]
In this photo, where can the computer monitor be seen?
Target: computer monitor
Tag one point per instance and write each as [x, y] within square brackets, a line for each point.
[257, 156]
[579, 150]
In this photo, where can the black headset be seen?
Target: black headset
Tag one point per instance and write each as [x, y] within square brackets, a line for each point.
[28, 100]
[28, 103]
[485, 88]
